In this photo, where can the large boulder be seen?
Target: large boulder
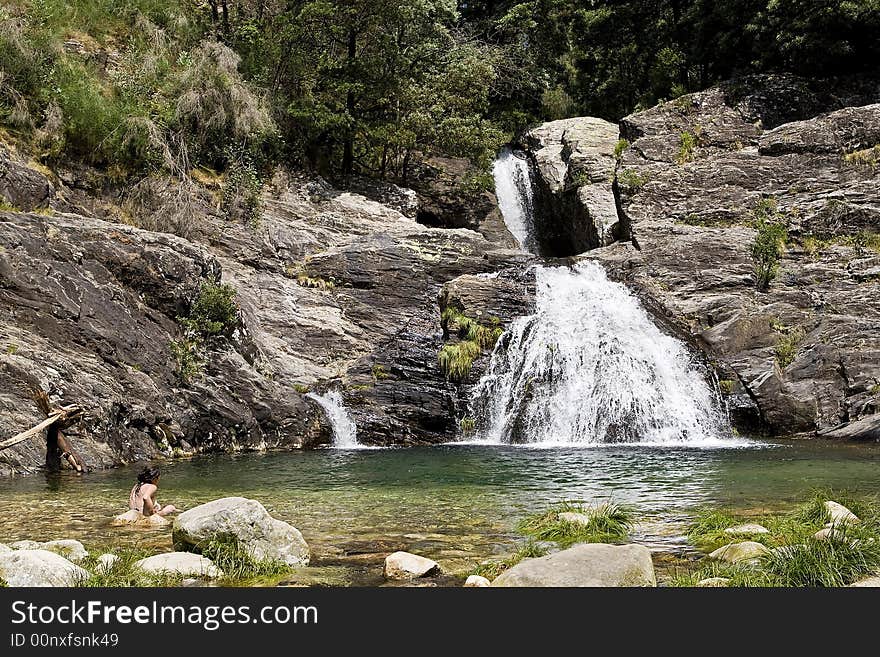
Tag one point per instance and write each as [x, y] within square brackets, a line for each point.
[246, 520]
[405, 565]
[39, 568]
[67, 548]
[179, 563]
[585, 564]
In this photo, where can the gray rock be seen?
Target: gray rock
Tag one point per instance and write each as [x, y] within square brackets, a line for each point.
[405, 565]
[259, 533]
[736, 552]
[39, 568]
[839, 514]
[5, 548]
[713, 582]
[747, 528]
[585, 564]
[106, 562]
[575, 518]
[179, 563]
[21, 186]
[873, 581]
[67, 548]
[475, 581]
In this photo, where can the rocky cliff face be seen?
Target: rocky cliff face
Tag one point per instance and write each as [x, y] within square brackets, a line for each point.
[334, 290]
[803, 356]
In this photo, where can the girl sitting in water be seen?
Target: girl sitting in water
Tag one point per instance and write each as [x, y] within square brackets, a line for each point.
[143, 495]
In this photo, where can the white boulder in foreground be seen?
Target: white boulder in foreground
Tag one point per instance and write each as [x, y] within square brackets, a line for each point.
[404, 565]
[736, 552]
[39, 568]
[713, 582]
[261, 535]
[474, 581]
[67, 548]
[586, 564]
[179, 563]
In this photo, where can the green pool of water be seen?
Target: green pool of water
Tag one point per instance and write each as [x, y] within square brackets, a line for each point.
[458, 504]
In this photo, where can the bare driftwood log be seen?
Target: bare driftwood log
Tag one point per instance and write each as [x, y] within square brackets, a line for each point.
[57, 446]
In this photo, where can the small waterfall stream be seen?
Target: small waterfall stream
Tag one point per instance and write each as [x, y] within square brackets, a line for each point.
[589, 366]
[344, 428]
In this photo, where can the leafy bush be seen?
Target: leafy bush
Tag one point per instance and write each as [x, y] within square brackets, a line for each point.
[620, 147]
[189, 359]
[632, 180]
[214, 311]
[769, 242]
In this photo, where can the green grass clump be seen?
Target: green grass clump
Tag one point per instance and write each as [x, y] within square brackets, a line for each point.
[609, 522]
[468, 425]
[123, 573]
[238, 565]
[492, 569]
[3, 583]
[769, 243]
[867, 157]
[457, 359]
[800, 559]
[726, 386]
[787, 347]
[380, 373]
[619, 147]
[632, 180]
[687, 145]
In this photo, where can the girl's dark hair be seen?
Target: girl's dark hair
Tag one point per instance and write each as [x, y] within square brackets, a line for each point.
[147, 476]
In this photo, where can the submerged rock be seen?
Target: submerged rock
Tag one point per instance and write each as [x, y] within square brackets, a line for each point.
[248, 521]
[839, 514]
[586, 564]
[39, 568]
[736, 552]
[474, 581]
[405, 565]
[134, 518]
[179, 563]
[748, 528]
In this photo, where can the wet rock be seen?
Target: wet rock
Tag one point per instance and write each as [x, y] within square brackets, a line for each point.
[867, 428]
[586, 564]
[404, 565]
[575, 518]
[839, 514]
[39, 568]
[249, 522]
[736, 552]
[747, 528]
[134, 518]
[474, 581]
[106, 563]
[179, 563]
[713, 582]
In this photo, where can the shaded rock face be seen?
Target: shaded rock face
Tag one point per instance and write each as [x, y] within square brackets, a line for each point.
[574, 165]
[804, 356]
[22, 187]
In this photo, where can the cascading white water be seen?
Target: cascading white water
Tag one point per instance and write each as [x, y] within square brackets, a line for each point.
[344, 428]
[589, 367]
[513, 188]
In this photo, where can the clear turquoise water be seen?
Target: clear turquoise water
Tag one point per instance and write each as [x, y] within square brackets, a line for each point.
[458, 504]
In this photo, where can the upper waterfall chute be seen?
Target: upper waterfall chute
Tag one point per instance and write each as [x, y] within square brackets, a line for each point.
[590, 367]
[514, 191]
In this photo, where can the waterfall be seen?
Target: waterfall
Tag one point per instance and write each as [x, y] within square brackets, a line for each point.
[590, 367]
[514, 190]
[344, 428]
